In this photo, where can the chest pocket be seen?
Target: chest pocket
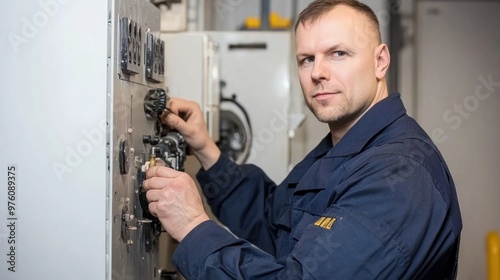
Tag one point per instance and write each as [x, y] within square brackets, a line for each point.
[308, 208]
[304, 221]
[302, 210]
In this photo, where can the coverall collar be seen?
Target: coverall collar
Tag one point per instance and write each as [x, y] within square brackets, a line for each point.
[369, 125]
[354, 141]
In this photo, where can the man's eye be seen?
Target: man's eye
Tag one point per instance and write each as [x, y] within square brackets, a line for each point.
[307, 60]
[339, 53]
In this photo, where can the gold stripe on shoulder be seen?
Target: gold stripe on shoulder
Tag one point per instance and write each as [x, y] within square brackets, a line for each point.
[330, 224]
[325, 222]
[319, 221]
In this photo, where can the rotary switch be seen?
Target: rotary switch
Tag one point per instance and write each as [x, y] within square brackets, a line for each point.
[155, 103]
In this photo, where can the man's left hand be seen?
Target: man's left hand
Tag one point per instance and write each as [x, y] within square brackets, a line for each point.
[174, 198]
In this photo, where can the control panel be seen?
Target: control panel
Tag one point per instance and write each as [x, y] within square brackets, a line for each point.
[80, 108]
[138, 140]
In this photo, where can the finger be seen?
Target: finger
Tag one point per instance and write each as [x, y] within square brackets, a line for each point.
[161, 171]
[153, 208]
[155, 183]
[172, 105]
[178, 105]
[185, 109]
[174, 121]
[153, 195]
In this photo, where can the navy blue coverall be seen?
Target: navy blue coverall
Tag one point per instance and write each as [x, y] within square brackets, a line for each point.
[381, 204]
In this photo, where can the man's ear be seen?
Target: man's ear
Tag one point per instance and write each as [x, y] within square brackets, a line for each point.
[382, 60]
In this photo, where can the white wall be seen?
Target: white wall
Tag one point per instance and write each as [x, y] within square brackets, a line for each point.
[457, 101]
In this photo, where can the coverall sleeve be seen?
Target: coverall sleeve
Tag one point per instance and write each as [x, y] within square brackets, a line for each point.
[244, 199]
[381, 227]
[211, 252]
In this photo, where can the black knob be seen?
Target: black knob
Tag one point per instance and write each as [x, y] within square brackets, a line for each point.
[148, 139]
[155, 102]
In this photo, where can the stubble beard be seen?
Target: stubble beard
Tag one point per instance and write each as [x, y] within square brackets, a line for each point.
[335, 116]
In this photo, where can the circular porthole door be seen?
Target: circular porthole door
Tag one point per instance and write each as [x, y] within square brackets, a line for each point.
[235, 130]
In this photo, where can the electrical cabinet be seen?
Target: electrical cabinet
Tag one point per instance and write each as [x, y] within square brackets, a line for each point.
[82, 88]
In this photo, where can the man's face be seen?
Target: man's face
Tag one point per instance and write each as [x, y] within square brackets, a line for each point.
[336, 65]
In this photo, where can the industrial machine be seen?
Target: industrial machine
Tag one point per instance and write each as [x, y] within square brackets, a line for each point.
[257, 113]
[242, 81]
[80, 105]
[192, 62]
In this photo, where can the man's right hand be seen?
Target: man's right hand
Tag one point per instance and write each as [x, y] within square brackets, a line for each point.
[187, 118]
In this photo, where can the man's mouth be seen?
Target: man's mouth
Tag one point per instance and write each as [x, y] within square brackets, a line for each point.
[323, 95]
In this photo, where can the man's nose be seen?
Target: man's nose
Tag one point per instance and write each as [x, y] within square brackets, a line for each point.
[320, 70]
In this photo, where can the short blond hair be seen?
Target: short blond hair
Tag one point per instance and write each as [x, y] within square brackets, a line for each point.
[318, 8]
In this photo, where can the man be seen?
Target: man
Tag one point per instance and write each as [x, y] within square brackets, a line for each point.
[374, 200]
